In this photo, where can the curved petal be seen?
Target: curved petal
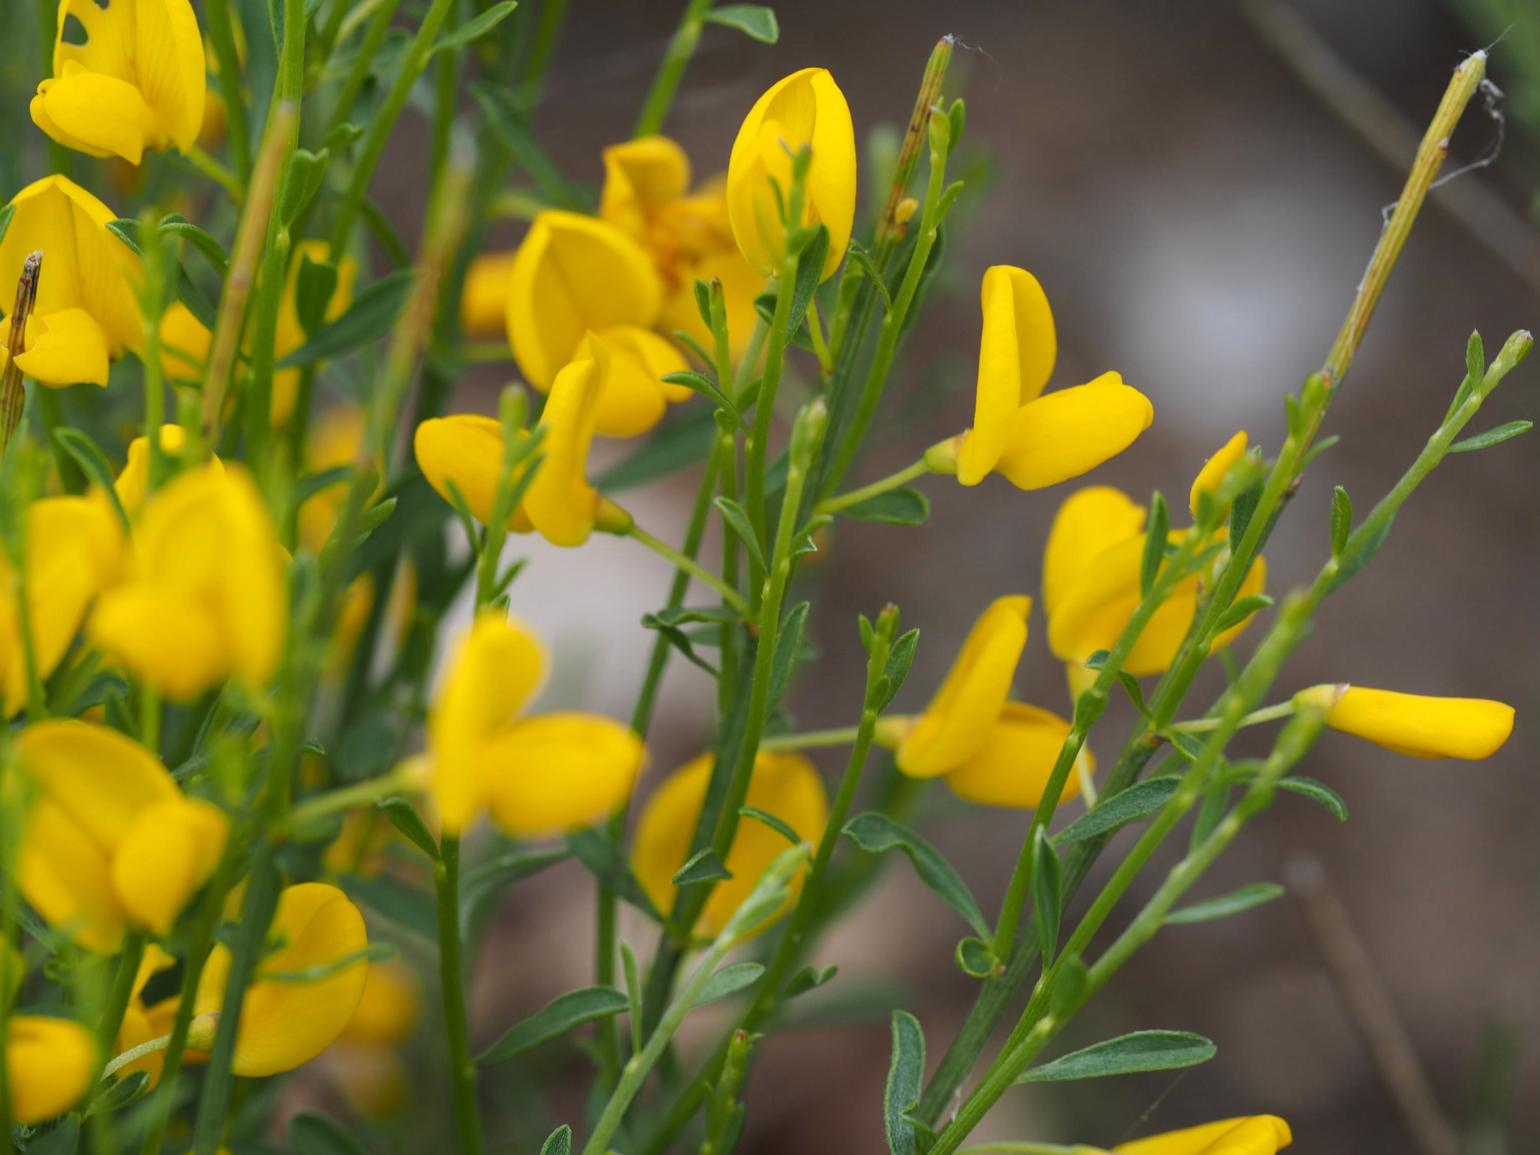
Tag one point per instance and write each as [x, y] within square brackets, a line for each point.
[633, 395]
[466, 449]
[169, 853]
[101, 779]
[554, 772]
[1014, 765]
[1064, 434]
[64, 874]
[1252, 1135]
[1421, 725]
[1016, 355]
[171, 644]
[640, 177]
[65, 348]
[49, 1064]
[96, 114]
[133, 481]
[1089, 521]
[1214, 469]
[560, 503]
[484, 296]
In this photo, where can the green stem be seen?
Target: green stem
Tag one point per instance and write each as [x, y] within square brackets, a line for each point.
[876, 489]
[121, 992]
[1255, 718]
[462, 1067]
[363, 64]
[681, 47]
[690, 566]
[228, 61]
[216, 172]
[813, 739]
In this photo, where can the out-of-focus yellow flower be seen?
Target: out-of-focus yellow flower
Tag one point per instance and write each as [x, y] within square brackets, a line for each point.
[1421, 725]
[334, 441]
[48, 1066]
[961, 717]
[1251, 1135]
[1214, 469]
[133, 482]
[305, 991]
[291, 334]
[647, 194]
[484, 295]
[1034, 440]
[204, 599]
[1013, 766]
[803, 110]
[364, 1062]
[110, 841]
[537, 775]
[87, 313]
[142, 1022]
[786, 785]
[138, 82]
[73, 550]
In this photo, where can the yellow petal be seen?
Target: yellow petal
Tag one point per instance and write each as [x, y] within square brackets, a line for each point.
[65, 348]
[559, 502]
[497, 669]
[288, 1019]
[573, 274]
[959, 720]
[484, 296]
[785, 785]
[640, 177]
[95, 114]
[184, 344]
[466, 449]
[133, 483]
[101, 779]
[1070, 432]
[1421, 725]
[554, 772]
[48, 1064]
[1254, 1135]
[741, 286]
[163, 640]
[1016, 356]
[806, 108]
[387, 1013]
[1014, 765]
[633, 395]
[1089, 521]
[64, 874]
[1214, 469]
[168, 854]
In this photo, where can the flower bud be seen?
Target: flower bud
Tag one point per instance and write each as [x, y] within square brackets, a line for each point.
[1415, 724]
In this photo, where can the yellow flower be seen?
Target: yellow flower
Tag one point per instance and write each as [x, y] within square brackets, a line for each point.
[484, 295]
[647, 194]
[1420, 725]
[305, 991]
[335, 439]
[537, 775]
[138, 81]
[1013, 766]
[1214, 469]
[962, 716]
[133, 482]
[1033, 440]
[73, 549]
[142, 1022]
[364, 1063]
[86, 313]
[291, 334]
[1251, 1135]
[110, 841]
[784, 784]
[803, 110]
[466, 449]
[48, 1066]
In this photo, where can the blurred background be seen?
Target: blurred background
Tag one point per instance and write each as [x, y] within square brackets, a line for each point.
[1198, 186]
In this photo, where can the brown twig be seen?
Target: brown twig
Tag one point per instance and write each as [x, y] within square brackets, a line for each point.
[13, 394]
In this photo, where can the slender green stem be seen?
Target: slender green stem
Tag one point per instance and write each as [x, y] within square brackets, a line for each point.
[1255, 718]
[690, 566]
[121, 991]
[227, 60]
[462, 1067]
[813, 739]
[660, 96]
[210, 167]
[134, 1054]
[876, 489]
[363, 64]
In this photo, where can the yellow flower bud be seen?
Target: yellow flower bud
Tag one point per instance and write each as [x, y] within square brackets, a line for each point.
[784, 784]
[1013, 766]
[305, 991]
[1251, 1135]
[961, 717]
[803, 110]
[138, 82]
[1214, 469]
[1420, 725]
[48, 1066]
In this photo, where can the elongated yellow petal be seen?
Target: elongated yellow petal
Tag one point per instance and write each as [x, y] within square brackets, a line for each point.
[1014, 765]
[1252, 1135]
[169, 852]
[1088, 522]
[559, 502]
[65, 875]
[553, 772]
[960, 718]
[633, 394]
[640, 177]
[95, 114]
[1064, 434]
[65, 348]
[484, 296]
[48, 1066]
[102, 779]
[785, 785]
[1016, 356]
[467, 450]
[1421, 725]
[1215, 468]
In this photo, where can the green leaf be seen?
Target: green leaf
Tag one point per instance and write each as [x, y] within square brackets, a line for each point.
[1504, 432]
[92, 461]
[772, 822]
[1317, 792]
[905, 506]
[311, 1133]
[975, 958]
[1154, 543]
[1069, 984]
[212, 251]
[706, 387]
[559, 1142]
[117, 1094]
[906, 1076]
[1126, 1055]
[1139, 801]
[407, 906]
[475, 28]
[481, 888]
[680, 640]
[738, 521]
[1047, 880]
[1241, 610]
[809, 273]
[807, 979]
[371, 316]
[788, 646]
[896, 672]
[864, 262]
[65, 1138]
[702, 866]
[1363, 555]
[404, 817]
[1244, 506]
[1475, 357]
[1254, 894]
[556, 1018]
[755, 21]
[876, 833]
[301, 181]
[314, 286]
[605, 861]
[1341, 520]
[679, 442]
[728, 981]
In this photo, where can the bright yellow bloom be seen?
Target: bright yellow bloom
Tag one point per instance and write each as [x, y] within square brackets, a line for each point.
[786, 785]
[484, 295]
[48, 1066]
[73, 550]
[110, 842]
[803, 110]
[1421, 725]
[204, 599]
[537, 775]
[1013, 766]
[133, 481]
[962, 716]
[305, 991]
[1088, 521]
[1214, 469]
[138, 82]
[466, 449]
[86, 313]
[1251, 1135]
[142, 1022]
[1036, 441]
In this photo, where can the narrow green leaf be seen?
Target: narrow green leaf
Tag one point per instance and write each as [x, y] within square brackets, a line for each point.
[605, 861]
[738, 521]
[876, 833]
[63, 1139]
[807, 979]
[728, 981]
[755, 21]
[707, 388]
[1504, 432]
[1241, 610]
[92, 461]
[1068, 987]
[556, 1018]
[301, 181]
[481, 888]
[1363, 555]
[1246, 897]
[702, 866]
[476, 27]
[864, 261]
[1240, 512]
[117, 1094]
[371, 316]
[1047, 879]
[906, 1076]
[311, 1133]
[809, 274]
[788, 647]
[1139, 801]
[904, 506]
[404, 817]
[1317, 792]
[1126, 1055]
[896, 672]
[314, 286]
[1341, 520]
[208, 246]
[975, 958]
[1154, 542]
[559, 1142]
[772, 822]
[1475, 357]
